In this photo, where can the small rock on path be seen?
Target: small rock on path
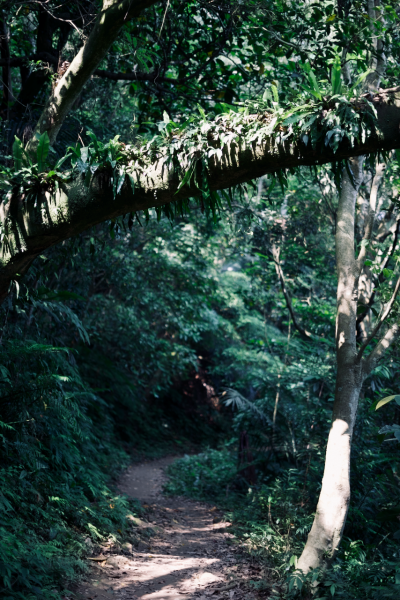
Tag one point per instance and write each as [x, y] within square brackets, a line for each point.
[188, 558]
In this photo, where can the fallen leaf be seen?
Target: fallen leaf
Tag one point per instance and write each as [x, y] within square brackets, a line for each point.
[97, 558]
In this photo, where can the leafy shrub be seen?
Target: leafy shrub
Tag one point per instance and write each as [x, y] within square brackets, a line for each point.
[205, 475]
[55, 502]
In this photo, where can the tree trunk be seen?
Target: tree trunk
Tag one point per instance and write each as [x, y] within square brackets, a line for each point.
[29, 228]
[113, 15]
[330, 518]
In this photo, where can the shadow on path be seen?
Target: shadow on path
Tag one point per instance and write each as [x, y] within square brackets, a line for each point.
[188, 558]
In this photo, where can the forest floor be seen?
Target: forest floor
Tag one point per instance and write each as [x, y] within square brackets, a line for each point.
[190, 556]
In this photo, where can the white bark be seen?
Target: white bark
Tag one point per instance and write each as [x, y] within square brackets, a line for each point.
[330, 518]
[327, 530]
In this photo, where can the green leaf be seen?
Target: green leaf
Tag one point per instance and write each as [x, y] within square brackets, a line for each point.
[384, 401]
[314, 85]
[75, 153]
[132, 180]
[17, 153]
[166, 117]
[97, 146]
[187, 176]
[316, 95]
[267, 96]
[275, 93]
[201, 111]
[359, 80]
[42, 151]
[62, 160]
[119, 181]
[88, 177]
[336, 77]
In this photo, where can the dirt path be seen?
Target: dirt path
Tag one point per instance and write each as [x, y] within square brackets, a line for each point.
[188, 558]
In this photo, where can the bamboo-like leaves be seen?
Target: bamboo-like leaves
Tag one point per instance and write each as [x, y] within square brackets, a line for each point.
[42, 151]
[384, 401]
[336, 77]
[17, 153]
[314, 87]
[187, 177]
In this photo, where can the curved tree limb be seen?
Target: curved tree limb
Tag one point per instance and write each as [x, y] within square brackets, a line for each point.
[73, 208]
[383, 344]
[111, 18]
[384, 316]
[373, 205]
[383, 265]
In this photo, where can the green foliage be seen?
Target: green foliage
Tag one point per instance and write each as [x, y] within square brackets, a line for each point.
[127, 345]
[71, 412]
[329, 121]
[30, 176]
[102, 156]
[266, 365]
[203, 476]
[56, 505]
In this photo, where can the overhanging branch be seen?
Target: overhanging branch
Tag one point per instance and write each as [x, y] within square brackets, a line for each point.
[30, 229]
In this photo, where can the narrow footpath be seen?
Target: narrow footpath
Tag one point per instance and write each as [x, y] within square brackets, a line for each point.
[189, 556]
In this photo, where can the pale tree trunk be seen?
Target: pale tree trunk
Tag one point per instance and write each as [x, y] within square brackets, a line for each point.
[352, 369]
[325, 535]
[333, 504]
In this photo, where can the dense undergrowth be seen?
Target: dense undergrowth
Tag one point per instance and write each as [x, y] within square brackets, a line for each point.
[271, 517]
[142, 344]
[97, 370]
[133, 341]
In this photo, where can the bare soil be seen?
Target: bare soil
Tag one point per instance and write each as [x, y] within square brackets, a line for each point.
[188, 556]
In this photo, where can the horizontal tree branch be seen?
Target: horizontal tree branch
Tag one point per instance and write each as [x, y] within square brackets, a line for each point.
[29, 229]
[46, 57]
[152, 76]
[21, 61]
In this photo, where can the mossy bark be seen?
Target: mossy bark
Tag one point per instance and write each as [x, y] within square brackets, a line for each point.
[29, 228]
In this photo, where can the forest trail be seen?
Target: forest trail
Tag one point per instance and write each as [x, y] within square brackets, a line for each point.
[188, 558]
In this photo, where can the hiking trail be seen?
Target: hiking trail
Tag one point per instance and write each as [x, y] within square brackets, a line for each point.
[188, 557]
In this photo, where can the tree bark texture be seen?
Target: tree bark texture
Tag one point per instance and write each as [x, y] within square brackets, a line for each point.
[327, 530]
[113, 15]
[29, 230]
[352, 369]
